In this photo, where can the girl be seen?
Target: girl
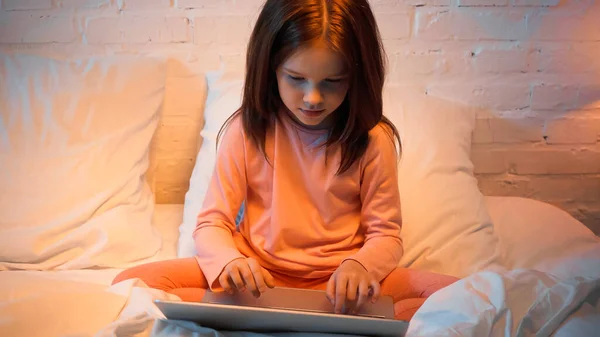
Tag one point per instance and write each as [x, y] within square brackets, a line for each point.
[314, 161]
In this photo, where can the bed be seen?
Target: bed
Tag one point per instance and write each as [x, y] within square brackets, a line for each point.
[527, 268]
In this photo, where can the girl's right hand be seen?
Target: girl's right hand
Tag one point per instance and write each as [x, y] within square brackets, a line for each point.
[243, 273]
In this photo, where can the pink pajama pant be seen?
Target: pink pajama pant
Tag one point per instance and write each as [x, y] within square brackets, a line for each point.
[409, 288]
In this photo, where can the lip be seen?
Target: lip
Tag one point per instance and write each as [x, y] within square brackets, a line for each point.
[312, 113]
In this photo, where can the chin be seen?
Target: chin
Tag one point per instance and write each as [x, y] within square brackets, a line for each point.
[311, 118]
[310, 122]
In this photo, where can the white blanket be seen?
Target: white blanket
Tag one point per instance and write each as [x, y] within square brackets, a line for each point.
[515, 303]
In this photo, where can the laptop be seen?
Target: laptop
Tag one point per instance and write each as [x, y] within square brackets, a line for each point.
[285, 310]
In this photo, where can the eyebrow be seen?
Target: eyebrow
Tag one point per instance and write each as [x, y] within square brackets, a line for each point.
[299, 74]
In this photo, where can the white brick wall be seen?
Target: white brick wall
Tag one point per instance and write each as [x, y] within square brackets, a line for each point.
[532, 66]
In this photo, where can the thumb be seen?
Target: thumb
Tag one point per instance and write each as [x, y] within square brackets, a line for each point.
[269, 280]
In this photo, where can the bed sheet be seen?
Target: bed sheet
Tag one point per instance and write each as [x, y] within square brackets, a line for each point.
[520, 302]
[73, 302]
[490, 303]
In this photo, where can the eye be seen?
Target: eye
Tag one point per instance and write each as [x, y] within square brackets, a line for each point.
[297, 79]
[338, 80]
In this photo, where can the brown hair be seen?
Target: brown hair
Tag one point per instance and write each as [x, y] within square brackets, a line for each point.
[349, 28]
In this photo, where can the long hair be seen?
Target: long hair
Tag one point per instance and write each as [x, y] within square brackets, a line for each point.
[349, 28]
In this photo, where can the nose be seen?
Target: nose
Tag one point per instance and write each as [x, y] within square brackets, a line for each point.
[313, 98]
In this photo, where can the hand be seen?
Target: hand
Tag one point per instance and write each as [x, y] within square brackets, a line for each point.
[246, 272]
[348, 281]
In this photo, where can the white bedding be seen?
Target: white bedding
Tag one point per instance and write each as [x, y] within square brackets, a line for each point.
[73, 302]
[511, 303]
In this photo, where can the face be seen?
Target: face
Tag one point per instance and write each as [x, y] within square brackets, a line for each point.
[313, 83]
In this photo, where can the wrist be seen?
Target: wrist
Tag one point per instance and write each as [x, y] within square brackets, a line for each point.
[354, 261]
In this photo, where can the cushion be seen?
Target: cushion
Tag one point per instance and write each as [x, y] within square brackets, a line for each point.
[224, 98]
[74, 142]
[446, 227]
[537, 235]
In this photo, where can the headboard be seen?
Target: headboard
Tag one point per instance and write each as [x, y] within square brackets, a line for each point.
[177, 139]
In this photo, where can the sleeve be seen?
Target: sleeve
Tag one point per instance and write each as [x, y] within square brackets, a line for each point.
[381, 215]
[213, 235]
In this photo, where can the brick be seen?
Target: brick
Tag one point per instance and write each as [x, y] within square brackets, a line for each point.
[470, 24]
[572, 130]
[508, 130]
[482, 134]
[420, 3]
[561, 58]
[22, 27]
[487, 161]
[394, 48]
[590, 54]
[378, 4]
[490, 96]
[15, 5]
[564, 27]
[554, 96]
[409, 64]
[137, 29]
[482, 3]
[516, 130]
[492, 61]
[587, 212]
[143, 4]
[200, 4]
[504, 185]
[83, 3]
[593, 223]
[393, 26]
[551, 160]
[535, 3]
[586, 188]
[248, 4]
[231, 32]
[589, 97]
[591, 216]
[384, 6]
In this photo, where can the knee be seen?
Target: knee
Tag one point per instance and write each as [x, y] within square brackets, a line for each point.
[126, 274]
[446, 280]
[404, 310]
[405, 283]
[146, 275]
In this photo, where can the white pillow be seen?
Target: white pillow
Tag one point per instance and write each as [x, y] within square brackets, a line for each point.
[224, 98]
[445, 224]
[74, 143]
[540, 236]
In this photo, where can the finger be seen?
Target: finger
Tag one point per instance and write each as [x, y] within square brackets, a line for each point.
[248, 277]
[340, 293]
[363, 295]
[224, 281]
[237, 280]
[257, 273]
[351, 290]
[331, 289]
[376, 289]
[269, 279]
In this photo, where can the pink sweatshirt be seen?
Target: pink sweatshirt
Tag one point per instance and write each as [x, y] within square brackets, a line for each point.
[300, 219]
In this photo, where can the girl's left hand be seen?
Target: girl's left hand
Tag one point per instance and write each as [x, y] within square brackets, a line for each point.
[349, 281]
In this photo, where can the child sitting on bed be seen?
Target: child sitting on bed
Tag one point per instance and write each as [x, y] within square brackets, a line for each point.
[314, 162]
